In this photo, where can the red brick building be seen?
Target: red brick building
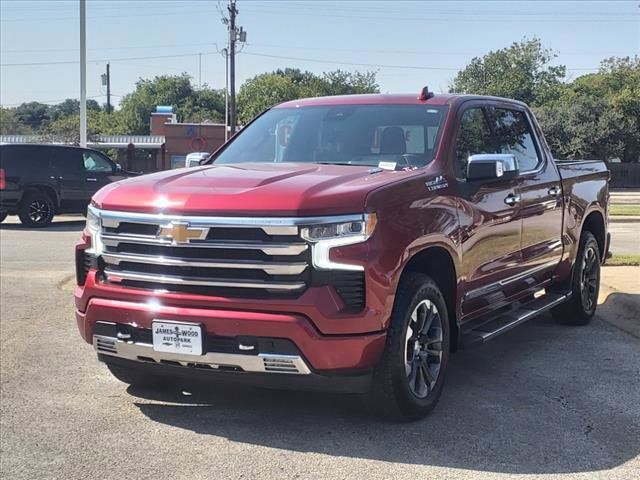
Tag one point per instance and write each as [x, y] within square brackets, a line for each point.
[184, 138]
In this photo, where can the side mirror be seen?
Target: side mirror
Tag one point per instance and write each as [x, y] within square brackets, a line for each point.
[492, 166]
[118, 167]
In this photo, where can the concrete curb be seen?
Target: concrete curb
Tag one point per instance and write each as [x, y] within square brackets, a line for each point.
[624, 219]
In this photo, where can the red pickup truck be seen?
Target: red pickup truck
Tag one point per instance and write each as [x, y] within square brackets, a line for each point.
[346, 243]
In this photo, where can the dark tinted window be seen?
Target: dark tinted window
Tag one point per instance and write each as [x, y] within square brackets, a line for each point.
[68, 161]
[396, 136]
[473, 137]
[94, 162]
[22, 160]
[513, 135]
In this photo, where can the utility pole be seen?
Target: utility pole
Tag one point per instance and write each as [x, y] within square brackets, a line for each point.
[106, 82]
[108, 89]
[236, 35]
[225, 52]
[83, 74]
[233, 11]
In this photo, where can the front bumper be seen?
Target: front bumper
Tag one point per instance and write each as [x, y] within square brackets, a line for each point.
[328, 354]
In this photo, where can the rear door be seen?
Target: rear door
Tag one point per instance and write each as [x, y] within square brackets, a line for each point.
[69, 173]
[489, 226]
[24, 166]
[539, 191]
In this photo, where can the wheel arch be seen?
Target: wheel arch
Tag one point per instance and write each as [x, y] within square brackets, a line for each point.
[46, 189]
[594, 223]
[438, 263]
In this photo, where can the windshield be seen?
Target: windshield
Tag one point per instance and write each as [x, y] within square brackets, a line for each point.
[388, 136]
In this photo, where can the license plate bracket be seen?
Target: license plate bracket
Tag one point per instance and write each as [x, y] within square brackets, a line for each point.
[177, 337]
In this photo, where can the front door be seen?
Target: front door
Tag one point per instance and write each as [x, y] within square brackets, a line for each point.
[490, 226]
[99, 171]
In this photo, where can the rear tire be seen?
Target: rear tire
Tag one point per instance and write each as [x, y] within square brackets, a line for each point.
[409, 378]
[37, 210]
[3, 216]
[134, 378]
[585, 285]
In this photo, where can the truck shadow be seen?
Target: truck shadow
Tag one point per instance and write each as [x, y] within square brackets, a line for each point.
[544, 398]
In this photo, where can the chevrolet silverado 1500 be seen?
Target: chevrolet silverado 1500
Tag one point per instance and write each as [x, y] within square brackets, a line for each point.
[344, 243]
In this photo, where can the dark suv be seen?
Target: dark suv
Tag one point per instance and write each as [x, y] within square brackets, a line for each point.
[40, 181]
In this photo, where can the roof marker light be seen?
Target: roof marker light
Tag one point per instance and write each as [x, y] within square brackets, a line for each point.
[425, 94]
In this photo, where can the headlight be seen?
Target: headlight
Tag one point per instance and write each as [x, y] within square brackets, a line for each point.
[94, 226]
[326, 236]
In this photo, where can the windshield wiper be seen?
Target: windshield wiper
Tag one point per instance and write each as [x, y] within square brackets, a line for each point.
[340, 163]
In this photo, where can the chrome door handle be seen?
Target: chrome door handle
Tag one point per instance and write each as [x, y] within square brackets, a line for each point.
[554, 191]
[512, 199]
[92, 179]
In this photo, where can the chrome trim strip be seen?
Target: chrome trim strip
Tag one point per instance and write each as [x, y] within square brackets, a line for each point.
[268, 248]
[116, 276]
[111, 218]
[262, 363]
[505, 281]
[269, 268]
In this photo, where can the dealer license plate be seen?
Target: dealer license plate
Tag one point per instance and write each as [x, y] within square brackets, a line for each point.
[176, 337]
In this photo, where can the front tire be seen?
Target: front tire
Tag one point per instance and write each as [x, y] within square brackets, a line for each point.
[410, 376]
[585, 285]
[37, 210]
[3, 216]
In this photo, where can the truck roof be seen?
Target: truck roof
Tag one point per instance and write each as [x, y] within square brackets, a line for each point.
[385, 99]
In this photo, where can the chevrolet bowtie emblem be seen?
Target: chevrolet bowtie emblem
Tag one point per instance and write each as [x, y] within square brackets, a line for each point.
[181, 232]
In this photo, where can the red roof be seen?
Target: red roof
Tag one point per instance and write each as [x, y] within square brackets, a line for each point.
[368, 99]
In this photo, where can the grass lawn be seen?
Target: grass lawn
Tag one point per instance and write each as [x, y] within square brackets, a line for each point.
[624, 210]
[620, 260]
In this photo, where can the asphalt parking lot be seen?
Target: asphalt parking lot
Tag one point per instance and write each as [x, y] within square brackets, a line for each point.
[543, 401]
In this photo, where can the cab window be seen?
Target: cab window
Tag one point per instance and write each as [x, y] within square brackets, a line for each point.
[473, 137]
[513, 135]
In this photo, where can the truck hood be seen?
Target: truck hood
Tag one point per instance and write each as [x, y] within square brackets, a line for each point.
[257, 189]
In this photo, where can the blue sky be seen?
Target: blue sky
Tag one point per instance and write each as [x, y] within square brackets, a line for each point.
[410, 44]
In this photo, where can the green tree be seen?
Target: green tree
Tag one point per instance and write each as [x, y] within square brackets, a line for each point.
[34, 115]
[262, 91]
[98, 123]
[71, 106]
[521, 71]
[172, 90]
[204, 105]
[598, 115]
[10, 124]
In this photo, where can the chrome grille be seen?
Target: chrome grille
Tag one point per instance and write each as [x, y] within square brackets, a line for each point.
[208, 255]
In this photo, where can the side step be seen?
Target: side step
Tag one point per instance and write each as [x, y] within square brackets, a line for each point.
[506, 322]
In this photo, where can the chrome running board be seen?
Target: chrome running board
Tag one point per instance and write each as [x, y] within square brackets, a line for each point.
[486, 331]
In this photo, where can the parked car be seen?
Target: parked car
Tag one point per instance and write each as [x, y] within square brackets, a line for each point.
[40, 181]
[347, 243]
[193, 159]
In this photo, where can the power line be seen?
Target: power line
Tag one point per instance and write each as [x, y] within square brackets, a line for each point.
[258, 54]
[122, 59]
[374, 65]
[472, 17]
